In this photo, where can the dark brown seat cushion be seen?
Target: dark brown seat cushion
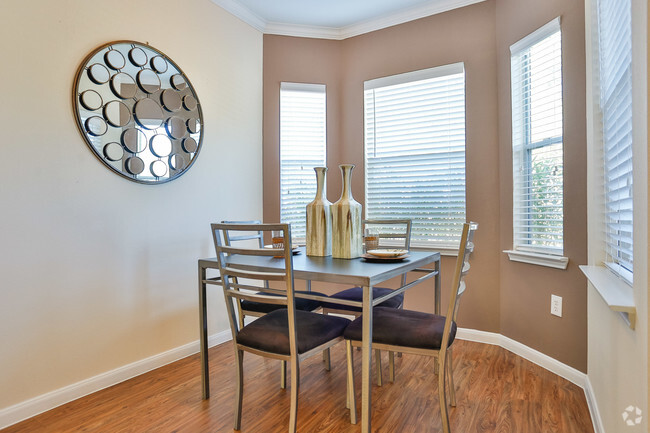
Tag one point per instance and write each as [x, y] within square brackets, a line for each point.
[271, 331]
[301, 303]
[356, 294]
[403, 328]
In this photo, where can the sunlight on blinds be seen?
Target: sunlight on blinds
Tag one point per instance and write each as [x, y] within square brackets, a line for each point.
[302, 147]
[415, 152]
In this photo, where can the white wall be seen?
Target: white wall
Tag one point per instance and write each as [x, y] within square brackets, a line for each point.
[617, 355]
[98, 272]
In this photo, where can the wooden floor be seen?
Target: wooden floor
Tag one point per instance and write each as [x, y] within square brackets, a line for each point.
[496, 391]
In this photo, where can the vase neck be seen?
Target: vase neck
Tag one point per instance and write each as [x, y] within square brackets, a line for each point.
[321, 187]
[346, 187]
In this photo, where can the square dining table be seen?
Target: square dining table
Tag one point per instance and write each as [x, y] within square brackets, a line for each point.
[354, 272]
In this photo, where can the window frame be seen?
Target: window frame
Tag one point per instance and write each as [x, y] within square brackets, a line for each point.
[523, 147]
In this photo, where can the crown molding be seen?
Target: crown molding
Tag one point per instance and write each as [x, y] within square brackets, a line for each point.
[432, 7]
[243, 13]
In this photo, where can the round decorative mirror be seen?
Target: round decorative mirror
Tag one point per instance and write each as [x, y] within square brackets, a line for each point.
[138, 112]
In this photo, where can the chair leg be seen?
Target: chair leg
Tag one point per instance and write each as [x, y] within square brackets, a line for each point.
[391, 365]
[326, 359]
[239, 361]
[283, 374]
[378, 364]
[295, 384]
[351, 401]
[326, 352]
[450, 372]
[444, 415]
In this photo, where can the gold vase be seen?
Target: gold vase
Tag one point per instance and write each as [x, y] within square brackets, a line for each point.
[346, 220]
[319, 219]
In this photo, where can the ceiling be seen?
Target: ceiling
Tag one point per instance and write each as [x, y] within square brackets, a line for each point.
[333, 19]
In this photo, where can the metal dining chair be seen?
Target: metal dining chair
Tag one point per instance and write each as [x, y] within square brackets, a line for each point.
[391, 233]
[418, 333]
[286, 333]
[257, 309]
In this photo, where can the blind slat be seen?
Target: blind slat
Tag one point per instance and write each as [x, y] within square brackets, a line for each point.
[615, 87]
[302, 147]
[415, 154]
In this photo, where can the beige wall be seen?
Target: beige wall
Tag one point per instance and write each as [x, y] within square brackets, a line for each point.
[505, 297]
[618, 355]
[99, 272]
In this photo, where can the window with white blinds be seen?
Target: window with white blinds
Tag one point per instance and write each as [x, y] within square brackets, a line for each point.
[537, 141]
[615, 82]
[302, 147]
[415, 152]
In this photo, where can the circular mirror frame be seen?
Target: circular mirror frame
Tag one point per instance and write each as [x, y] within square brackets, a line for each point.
[178, 160]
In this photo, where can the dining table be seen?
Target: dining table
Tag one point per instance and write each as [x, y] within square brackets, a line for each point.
[353, 272]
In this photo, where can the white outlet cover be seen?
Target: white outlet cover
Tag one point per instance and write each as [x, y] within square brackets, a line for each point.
[556, 305]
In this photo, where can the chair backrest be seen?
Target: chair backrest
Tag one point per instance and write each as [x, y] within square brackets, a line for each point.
[231, 276]
[229, 237]
[458, 283]
[397, 230]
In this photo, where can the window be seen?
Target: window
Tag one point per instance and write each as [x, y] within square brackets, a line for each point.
[302, 147]
[537, 143]
[415, 152]
[615, 88]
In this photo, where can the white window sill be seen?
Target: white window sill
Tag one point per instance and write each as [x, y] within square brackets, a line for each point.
[616, 293]
[551, 261]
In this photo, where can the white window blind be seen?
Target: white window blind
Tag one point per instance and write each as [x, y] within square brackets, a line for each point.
[415, 152]
[615, 78]
[537, 141]
[302, 147]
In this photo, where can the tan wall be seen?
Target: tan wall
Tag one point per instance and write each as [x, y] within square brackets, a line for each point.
[463, 35]
[526, 289]
[503, 297]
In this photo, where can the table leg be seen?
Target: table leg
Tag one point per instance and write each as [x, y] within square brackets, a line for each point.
[437, 286]
[203, 333]
[366, 383]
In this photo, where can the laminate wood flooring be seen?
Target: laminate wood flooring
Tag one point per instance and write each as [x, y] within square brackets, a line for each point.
[497, 391]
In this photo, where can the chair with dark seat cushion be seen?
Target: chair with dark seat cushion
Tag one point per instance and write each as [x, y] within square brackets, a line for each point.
[301, 304]
[257, 309]
[425, 330]
[270, 332]
[286, 333]
[418, 333]
[391, 233]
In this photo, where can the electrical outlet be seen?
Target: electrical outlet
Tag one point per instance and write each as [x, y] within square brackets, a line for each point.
[556, 305]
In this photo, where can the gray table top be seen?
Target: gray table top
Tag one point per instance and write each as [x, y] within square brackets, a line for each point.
[327, 269]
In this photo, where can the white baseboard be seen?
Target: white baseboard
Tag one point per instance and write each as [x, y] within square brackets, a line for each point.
[545, 361]
[593, 408]
[553, 365]
[29, 408]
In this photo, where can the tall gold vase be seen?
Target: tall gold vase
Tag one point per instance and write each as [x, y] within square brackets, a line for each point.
[319, 219]
[346, 220]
